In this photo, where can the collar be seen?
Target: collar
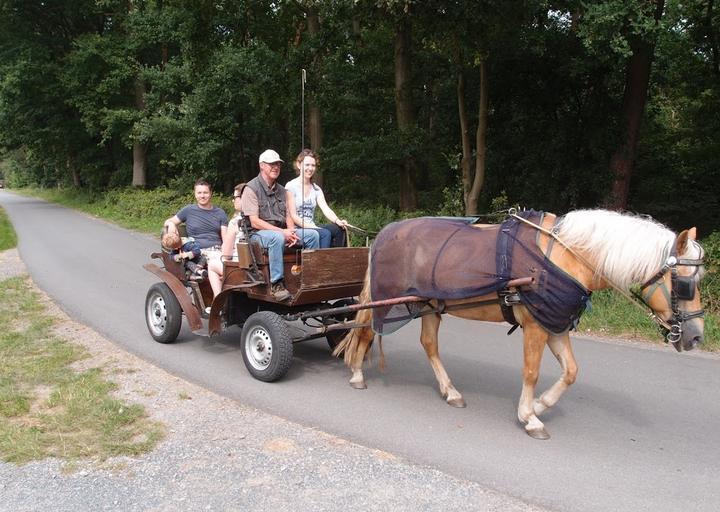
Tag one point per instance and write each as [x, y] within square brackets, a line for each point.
[268, 189]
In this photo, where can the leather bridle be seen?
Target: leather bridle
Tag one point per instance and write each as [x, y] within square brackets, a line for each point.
[681, 288]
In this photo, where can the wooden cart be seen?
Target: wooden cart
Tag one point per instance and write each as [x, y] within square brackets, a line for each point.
[323, 284]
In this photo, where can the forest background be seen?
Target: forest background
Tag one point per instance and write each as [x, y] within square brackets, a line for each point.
[445, 106]
[415, 107]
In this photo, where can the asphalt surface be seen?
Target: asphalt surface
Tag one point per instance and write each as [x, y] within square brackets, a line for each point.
[218, 454]
[636, 432]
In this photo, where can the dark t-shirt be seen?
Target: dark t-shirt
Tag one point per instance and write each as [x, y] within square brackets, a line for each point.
[203, 225]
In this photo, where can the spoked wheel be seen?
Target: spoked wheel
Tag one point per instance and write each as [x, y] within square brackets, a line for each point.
[335, 337]
[162, 313]
[267, 347]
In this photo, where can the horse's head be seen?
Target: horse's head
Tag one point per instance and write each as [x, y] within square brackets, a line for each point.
[673, 293]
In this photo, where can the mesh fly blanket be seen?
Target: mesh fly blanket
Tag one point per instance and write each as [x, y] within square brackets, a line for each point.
[447, 258]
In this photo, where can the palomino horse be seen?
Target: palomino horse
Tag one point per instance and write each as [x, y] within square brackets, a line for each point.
[598, 249]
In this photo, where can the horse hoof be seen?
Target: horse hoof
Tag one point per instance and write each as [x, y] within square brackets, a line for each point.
[358, 385]
[538, 433]
[457, 402]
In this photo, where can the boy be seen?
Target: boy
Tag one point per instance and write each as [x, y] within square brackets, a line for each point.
[186, 249]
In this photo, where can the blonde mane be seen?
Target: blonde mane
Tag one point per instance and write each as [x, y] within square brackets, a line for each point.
[625, 248]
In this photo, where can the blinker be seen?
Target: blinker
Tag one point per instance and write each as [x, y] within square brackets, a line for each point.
[684, 287]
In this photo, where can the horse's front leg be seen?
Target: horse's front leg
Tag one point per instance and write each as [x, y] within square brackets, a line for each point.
[429, 340]
[534, 338]
[561, 348]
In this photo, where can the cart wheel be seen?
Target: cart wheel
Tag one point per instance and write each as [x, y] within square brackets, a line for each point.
[335, 337]
[162, 313]
[266, 345]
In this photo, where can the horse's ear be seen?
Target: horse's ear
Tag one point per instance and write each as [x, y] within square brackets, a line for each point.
[682, 240]
[692, 233]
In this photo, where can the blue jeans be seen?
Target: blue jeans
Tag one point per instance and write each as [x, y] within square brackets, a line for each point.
[325, 237]
[336, 235]
[331, 235]
[274, 242]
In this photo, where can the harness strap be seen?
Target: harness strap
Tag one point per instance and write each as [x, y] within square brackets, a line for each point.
[673, 328]
[650, 290]
[584, 260]
[551, 240]
[506, 300]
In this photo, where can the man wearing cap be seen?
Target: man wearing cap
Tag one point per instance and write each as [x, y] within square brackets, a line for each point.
[264, 202]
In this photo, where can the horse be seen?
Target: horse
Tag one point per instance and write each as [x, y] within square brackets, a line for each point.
[596, 248]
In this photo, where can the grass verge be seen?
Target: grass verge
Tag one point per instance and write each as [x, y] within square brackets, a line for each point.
[48, 409]
[613, 315]
[141, 210]
[8, 239]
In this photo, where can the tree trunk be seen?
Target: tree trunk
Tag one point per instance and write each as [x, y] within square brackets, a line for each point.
[465, 162]
[70, 165]
[139, 177]
[314, 126]
[471, 206]
[314, 120]
[356, 27]
[405, 112]
[637, 79]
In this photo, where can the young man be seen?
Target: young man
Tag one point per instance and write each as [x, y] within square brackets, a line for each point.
[206, 224]
[264, 202]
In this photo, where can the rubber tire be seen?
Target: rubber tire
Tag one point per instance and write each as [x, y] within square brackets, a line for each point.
[266, 346]
[335, 337]
[163, 314]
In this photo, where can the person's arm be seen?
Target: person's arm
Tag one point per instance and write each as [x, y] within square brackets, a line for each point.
[257, 223]
[251, 210]
[327, 211]
[228, 248]
[292, 210]
[183, 255]
[171, 224]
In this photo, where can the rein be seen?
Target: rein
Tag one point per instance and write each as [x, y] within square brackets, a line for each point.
[349, 227]
[673, 329]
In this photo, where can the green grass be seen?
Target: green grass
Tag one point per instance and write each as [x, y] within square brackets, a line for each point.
[614, 315]
[141, 210]
[46, 408]
[8, 239]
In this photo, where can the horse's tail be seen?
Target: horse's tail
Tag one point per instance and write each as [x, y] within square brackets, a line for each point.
[350, 344]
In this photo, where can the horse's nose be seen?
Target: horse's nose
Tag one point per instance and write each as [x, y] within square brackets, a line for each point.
[693, 342]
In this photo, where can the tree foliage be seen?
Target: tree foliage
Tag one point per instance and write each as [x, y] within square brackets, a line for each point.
[94, 91]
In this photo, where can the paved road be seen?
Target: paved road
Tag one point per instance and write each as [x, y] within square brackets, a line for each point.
[636, 432]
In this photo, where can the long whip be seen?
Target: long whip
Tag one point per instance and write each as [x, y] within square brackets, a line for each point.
[303, 79]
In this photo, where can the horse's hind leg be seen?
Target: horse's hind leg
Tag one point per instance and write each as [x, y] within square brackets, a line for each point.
[534, 344]
[354, 346]
[561, 348]
[429, 340]
[364, 339]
